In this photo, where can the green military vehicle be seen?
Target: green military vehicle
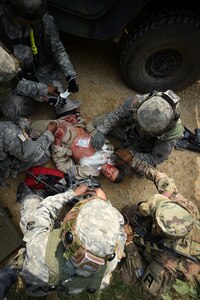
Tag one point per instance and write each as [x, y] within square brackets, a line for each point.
[159, 40]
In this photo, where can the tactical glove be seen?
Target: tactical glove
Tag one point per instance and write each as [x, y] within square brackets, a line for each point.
[98, 140]
[57, 100]
[73, 86]
[125, 155]
[7, 278]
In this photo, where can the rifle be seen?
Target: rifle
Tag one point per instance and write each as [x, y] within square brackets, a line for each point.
[66, 184]
[189, 141]
[155, 242]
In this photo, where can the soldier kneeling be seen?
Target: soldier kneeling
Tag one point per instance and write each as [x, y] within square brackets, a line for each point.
[76, 255]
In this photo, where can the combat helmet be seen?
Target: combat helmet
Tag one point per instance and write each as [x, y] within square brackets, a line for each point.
[174, 220]
[88, 236]
[9, 69]
[157, 111]
[30, 10]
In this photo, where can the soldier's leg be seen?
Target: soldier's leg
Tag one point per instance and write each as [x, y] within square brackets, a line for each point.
[29, 203]
[13, 106]
[27, 165]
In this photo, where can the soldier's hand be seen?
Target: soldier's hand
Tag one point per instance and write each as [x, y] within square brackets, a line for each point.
[53, 90]
[125, 155]
[81, 189]
[100, 193]
[52, 126]
[97, 141]
[72, 85]
[129, 232]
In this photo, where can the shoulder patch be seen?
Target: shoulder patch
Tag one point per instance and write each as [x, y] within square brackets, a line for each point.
[23, 136]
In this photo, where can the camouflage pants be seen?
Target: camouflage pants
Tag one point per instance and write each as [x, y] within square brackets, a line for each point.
[29, 164]
[11, 166]
[26, 210]
[13, 106]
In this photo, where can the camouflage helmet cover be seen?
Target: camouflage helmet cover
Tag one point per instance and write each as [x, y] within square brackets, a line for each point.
[155, 114]
[174, 220]
[99, 227]
[8, 65]
[9, 68]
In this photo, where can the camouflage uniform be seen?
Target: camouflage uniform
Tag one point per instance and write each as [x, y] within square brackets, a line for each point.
[178, 221]
[122, 123]
[37, 223]
[18, 152]
[16, 38]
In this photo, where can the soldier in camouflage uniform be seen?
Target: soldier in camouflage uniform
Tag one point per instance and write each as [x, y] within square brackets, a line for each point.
[163, 244]
[17, 151]
[74, 255]
[31, 35]
[149, 124]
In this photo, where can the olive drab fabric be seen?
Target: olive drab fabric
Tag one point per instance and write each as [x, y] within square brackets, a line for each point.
[55, 262]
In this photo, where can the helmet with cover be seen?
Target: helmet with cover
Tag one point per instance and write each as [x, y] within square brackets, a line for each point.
[157, 112]
[87, 233]
[173, 220]
[9, 69]
[30, 10]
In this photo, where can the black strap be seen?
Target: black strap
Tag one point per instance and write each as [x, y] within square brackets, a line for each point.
[4, 37]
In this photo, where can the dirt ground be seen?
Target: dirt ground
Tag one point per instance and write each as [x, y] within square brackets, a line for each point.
[101, 90]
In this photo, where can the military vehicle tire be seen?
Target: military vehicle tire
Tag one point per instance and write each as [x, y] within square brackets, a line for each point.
[163, 53]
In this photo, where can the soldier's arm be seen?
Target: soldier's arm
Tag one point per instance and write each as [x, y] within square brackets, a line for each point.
[163, 146]
[56, 46]
[50, 207]
[163, 183]
[122, 112]
[159, 153]
[31, 89]
[27, 149]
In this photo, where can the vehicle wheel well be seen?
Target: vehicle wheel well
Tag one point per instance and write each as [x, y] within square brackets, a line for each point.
[149, 58]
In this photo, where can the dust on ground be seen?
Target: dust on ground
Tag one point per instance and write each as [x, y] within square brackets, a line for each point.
[101, 90]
